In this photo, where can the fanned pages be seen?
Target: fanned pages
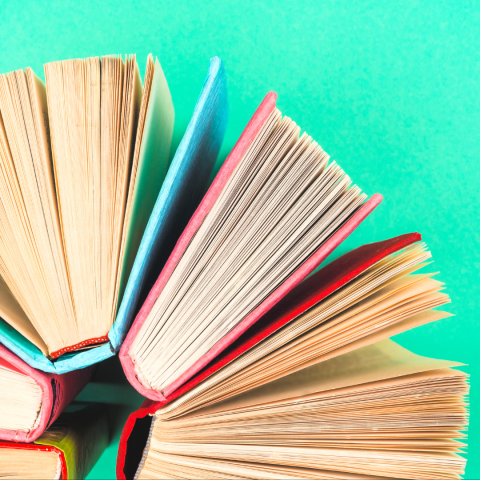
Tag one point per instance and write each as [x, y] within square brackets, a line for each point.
[186, 182]
[379, 411]
[63, 208]
[336, 324]
[30, 400]
[31, 252]
[84, 169]
[258, 225]
[151, 160]
[67, 450]
[93, 109]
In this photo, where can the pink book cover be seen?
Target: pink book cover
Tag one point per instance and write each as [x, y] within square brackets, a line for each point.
[58, 392]
[248, 135]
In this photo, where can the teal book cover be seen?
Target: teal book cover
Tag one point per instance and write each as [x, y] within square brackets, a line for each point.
[389, 89]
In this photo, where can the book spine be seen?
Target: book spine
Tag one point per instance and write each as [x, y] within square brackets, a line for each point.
[128, 460]
[78, 346]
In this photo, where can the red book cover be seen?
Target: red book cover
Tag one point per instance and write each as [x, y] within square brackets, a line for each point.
[311, 291]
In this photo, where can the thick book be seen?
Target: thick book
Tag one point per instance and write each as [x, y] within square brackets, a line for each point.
[274, 212]
[67, 450]
[316, 389]
[31, 400]
[107, 206]
[378, 412]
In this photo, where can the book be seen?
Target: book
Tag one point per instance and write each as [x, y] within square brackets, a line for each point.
[67, 450]
[273, 213]
[31, 400]
[97, 176]
[316, 389]
[377, 412]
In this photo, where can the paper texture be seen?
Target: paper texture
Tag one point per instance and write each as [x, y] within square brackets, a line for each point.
[58, 392]
[181, 191]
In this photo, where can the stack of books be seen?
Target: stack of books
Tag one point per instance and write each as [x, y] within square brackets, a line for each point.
[254, 363]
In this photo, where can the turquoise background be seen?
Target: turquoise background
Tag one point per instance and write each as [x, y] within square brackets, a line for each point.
[389, 89]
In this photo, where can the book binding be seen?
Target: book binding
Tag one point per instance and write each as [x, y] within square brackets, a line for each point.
[253, 127]
[58, 392]
[308, 293]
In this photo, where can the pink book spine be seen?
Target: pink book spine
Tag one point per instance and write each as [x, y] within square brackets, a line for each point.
[58, 391]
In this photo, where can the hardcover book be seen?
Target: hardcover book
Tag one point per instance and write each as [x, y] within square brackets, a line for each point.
[90, 204]
[67, 450]
[31, 400]
[274, 212]
[316, 389]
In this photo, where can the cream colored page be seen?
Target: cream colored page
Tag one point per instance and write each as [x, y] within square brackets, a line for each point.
[366, 284]
[238, 256]
[333, 336]
[153, 162]
[330, 342]
[39, 103]
[408, 465]
[20, 400]
[342, 402]
[41, 286]
[12, 313]
[385, 359]
[73, 93]
[133, 127]
[126, 260]
[111, 166]
[407, 324]
[246, 380]
[161, 465]
[28, 464]
[379, 308]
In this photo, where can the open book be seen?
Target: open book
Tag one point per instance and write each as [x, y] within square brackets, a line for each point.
[274, 212]
[315, 388]
[30, 400]
[67, 450]
[377, 412]
[85, 168]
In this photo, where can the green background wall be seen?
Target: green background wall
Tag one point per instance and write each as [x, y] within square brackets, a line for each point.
[389, 89]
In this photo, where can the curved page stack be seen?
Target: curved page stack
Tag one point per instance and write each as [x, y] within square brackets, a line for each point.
[90, 204]
[31, 400]
[316, 389]
[275, 210]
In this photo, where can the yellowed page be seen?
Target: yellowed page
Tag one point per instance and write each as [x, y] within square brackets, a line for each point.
[385, 359]
[385, 333]
[28, 464]
[133, 127]
[40, 109]
[12, 313]
[20, 400]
